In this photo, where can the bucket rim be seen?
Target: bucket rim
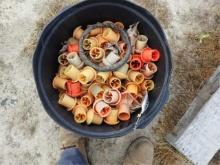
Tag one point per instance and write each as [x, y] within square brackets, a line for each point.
[46, 103]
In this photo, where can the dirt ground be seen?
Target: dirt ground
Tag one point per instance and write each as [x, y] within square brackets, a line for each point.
[29, 136]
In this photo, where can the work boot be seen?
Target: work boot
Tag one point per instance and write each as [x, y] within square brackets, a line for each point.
[140, 152]
[69, 139]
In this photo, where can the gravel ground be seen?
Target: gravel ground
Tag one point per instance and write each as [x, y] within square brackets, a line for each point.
[193, 31]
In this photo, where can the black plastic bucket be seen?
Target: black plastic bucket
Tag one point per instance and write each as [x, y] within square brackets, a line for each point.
[89, 12]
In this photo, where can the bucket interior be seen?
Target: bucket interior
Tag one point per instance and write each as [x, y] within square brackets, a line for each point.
[91, 14]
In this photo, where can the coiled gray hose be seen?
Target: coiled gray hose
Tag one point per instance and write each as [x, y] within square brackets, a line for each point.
[88, 61]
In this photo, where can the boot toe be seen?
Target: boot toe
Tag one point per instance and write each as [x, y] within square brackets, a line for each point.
[140, 151]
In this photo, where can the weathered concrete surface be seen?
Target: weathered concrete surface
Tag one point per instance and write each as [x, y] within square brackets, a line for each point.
[196, 135]
[29, 136]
